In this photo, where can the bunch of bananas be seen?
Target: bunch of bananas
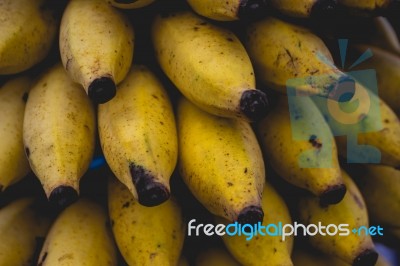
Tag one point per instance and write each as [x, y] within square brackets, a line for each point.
[120, 121]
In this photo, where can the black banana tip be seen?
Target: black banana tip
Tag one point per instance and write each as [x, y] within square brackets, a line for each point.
[251, 215]
[63, 196]
[152, 194]
[367, 258]
[254, 104]
[323, 8]
[333, 195]
[102, 90]
[251, 8]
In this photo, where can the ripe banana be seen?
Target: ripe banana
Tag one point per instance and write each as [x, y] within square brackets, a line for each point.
[59, 134]
[286, 54]
[145, 236]
[218, 77]
[230, 10]
[21, 226]
[138, 136]
[301, 148]
[13, 162]
[79, 236]
[96, 46]
[27, 31]
[353, 248]
[216, 256]
[130, 4]
[264, 250]
[305, 8]
[221, 163]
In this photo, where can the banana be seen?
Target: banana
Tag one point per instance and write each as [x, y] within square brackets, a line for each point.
[353, 248]
[13, 163]
[264, 249]
[387, 67]
[305, 8]
[21, 226]
[366, 7]
[221, 163]
[216, 256]
[79, 236]
[287, 55]
[230, 10]
[130, 4]
[138, 136]
[59, 134]
[208, 64]
[144, 235]
[96, 45]
[301, 148]
[385, 36]
[27, 31]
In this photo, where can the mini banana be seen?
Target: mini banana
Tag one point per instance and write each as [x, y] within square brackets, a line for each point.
[21, 225]
[301, 148]
[79, 236]
[221, 163]
[59, 134]
[287, 55]
[208, 64]
[264, 249]
[304, 8]
[130, 4]
[138, 136]
[27, 31]
[216, 256]
[230, 10]
[144, 235]
[13, 162]
[96, 45]
[353, 248]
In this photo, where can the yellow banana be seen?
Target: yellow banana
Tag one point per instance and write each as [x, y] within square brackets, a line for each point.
[264, 249]
[304, 8]
[221, 163]
[21, 225]
[145, 235]
[138, 136]
[302, 149]
[286, 55]
[27, 31]
[59, 134]
[208, 64]
[13, 162]
[365, 7]
[96, 46]
[349, 214]
[230, 10]
[79, 236]
[130, 4]
[216, 256]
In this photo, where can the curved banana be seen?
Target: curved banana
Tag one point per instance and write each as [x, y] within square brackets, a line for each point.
[355, 249]
[96, 46]
[27, 31]
[208, 64]
[304, 8]
[59, 134]
[145, 236]
[21, 225]
[130, 4]
[221, 163]
[79, 236]
[223, 10]
[264, 249]
[287, 55]
[385, 35]
[13, 162]
[138, 136]
[216, 256]
[300, 147]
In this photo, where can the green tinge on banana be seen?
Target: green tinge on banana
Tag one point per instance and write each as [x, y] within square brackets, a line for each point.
[221, 163]
[138, 136]
[27, 31]
[96, 44]
[59, 134]
[305, 8]
[145, 236]
[13, 163]
[79, 236]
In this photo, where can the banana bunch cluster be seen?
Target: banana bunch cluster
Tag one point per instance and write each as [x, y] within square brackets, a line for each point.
[165, 91]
